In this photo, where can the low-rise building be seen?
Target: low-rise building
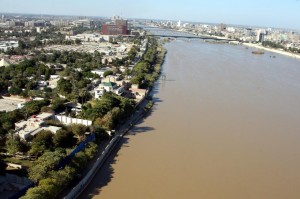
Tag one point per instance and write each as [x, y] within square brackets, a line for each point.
[105, 87]
[34, 125]
[100, 72]
[4, 62]
[5, 45]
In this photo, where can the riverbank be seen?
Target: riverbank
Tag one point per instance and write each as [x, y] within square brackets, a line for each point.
[141, 111]
[224, 126]
[282, 52]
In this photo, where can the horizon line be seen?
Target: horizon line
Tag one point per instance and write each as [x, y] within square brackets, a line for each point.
[94, 16]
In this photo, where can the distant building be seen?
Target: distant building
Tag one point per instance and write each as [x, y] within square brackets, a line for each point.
[222, 27]
[118, 27]
[60, 23]
[260, 35]
[39, 23]
[83, 23]
[179, 23]
[248, 32]
[113, 29]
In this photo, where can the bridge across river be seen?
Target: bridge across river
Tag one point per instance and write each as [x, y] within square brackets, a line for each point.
[191, 37]
[159, 32]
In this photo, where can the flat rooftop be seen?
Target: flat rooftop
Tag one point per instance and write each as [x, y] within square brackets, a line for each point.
[8, 104]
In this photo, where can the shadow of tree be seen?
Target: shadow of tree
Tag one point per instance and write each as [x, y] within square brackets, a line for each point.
[105, 173]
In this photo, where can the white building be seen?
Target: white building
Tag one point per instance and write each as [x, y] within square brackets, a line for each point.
[86, 37]
[100, 72]
[4, 62]
[34, 125]
[84, 23]
[260, 35]
[179, 23]
[105, 87]
[4, 45]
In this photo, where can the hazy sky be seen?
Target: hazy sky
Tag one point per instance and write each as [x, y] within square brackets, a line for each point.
[270, 13]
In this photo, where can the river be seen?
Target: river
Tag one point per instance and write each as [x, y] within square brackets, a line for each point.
[225, 125]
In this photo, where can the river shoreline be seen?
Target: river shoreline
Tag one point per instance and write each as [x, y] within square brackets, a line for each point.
[224, 126]
[142, 111]
[272, 50]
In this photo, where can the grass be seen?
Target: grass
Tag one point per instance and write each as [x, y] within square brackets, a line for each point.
[25, 163]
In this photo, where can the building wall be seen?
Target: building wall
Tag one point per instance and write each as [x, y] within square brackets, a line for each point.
[68, 120]
[110, 29]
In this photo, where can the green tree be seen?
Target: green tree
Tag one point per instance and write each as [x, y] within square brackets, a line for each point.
[42, 142]
[14, 90]
[13, 144]
[78, 130]
[79, 161]
[35, 193]
[77, 41]
[47, 162]
[64, 139]
[91, 150]
[58, 104]
[108, 72]
[34, 107]
[45, 137]
[64, 87]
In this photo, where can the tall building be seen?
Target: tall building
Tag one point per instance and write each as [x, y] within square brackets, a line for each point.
[119, 27]
[222, 27]
[260, 36]
[248, 32]
[113, 29]
[179, 23]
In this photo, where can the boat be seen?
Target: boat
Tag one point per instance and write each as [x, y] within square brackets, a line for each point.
[258, 52]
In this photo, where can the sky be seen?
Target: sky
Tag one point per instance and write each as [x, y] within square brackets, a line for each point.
[267, 13]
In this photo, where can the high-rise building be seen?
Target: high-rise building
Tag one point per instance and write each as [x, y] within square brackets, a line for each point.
[248, 32]
[113, 29]
[179, 23]
[260, 36]
[119, 27]
[222, 27]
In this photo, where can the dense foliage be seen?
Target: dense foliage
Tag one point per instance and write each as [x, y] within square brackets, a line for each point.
[272, 44]
[109, 110]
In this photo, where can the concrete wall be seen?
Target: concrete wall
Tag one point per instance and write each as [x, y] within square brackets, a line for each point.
[69, 120]
[79, 188]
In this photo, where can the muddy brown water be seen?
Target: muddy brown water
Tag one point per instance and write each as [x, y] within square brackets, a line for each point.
[225, 126]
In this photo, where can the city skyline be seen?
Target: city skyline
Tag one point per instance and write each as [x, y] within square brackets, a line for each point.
[265, 13]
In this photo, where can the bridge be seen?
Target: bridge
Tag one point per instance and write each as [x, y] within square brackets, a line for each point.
[160, 32]
[191, 37]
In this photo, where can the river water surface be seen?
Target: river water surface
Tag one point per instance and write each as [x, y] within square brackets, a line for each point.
[226, 125]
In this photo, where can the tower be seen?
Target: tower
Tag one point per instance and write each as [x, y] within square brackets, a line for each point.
[260, 35]
[248, 32]
[179, 23]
